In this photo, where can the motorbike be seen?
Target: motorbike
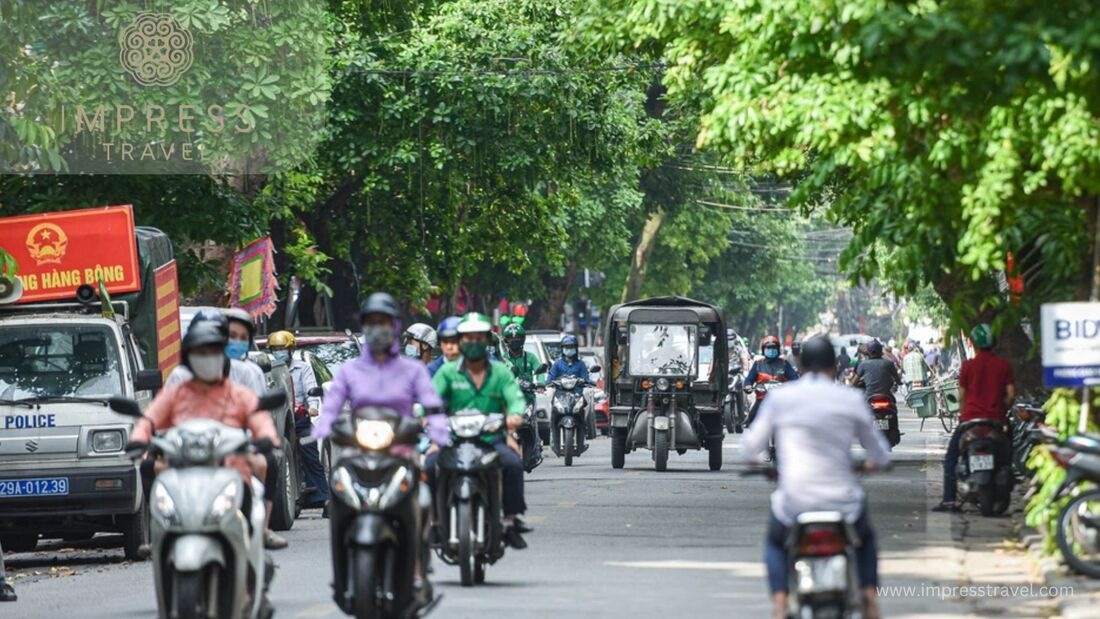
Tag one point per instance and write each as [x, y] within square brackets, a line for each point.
[1078, 531]
[885, 410]
[207, 525]
[568, 419]
[734, 404]
[528, 434]
[984, 469]
[1026, 416]
[468, 496]
[821, 563]
[377, 517]
[760, 391]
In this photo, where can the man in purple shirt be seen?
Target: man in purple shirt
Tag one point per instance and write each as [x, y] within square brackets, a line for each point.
[381, 377]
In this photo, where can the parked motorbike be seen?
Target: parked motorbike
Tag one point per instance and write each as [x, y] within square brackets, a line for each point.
[885, 410]
[568, 421]
[1078, 531]
[821, 564]
[734, 404]
[207, 526]
[984, 469]
[377, 517]
[528, 434]
[468, 493]
[1026, 416]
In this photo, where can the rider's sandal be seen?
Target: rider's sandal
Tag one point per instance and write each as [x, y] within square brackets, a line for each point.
[947, 507]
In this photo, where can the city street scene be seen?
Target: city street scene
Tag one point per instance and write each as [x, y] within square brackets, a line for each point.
[479, 308]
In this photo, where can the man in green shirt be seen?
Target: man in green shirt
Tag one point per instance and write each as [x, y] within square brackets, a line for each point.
[473, 381]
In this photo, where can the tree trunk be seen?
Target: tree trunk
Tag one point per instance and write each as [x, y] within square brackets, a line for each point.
[648, 240]
[548, 315]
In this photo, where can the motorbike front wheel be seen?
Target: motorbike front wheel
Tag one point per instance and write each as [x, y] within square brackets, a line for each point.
[1081, 519]
[191, 595]
[365, 604]
[466, 559]
[567, 445]
[660, 449]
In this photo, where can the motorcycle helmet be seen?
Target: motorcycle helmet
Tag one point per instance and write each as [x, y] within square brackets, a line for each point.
[212, 316]
[769, 347]
[874, 349]
[982, 337]
[378, 303]
[569, 346]
[236, 314]
[203, 333]
[818, 355]
[422, 333]
[514, 338]
[474, 322]
[448, 329]
[281, 339]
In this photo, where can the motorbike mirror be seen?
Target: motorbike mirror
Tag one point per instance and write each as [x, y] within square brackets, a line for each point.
[124, 406]
[148, 380]
[408, 431]
[622, 336]
[316, 392]
[542, 368]
[261, 359]
[271, 400]
[595, 369]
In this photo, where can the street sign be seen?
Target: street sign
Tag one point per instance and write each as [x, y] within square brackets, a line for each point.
[1071, 344]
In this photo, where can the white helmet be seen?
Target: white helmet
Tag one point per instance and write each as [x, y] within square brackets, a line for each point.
[422, 333]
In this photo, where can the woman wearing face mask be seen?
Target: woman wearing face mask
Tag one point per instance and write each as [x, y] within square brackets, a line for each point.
[771, 368]
[420, 340]
[241, 370]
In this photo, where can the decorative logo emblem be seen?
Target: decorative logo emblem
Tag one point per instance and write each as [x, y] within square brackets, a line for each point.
[156, 49]
[47, 243]
[32, 446]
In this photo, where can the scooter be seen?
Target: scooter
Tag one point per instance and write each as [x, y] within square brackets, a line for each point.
[885, 410]
[821, 564]
[984, 469]
[1078, 531]
[527, 434]
[568, 423]
[207, 525]
[468, 496]
[377, 518]
[760, 391]
[1026, 417]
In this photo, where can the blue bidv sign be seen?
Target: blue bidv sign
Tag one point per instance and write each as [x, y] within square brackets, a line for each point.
[1071, 344]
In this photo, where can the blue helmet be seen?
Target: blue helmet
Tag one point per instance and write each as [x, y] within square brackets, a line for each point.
[569, 340]
[448, 329]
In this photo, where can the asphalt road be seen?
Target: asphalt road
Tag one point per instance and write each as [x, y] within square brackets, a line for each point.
[607, 544]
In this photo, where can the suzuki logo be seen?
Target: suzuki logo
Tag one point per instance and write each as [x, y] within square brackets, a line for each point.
[32, 446]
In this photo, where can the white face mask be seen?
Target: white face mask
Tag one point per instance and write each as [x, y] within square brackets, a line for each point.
[207, 368]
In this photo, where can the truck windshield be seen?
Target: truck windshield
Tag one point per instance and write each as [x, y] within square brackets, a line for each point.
[662, 350]
[54, 360]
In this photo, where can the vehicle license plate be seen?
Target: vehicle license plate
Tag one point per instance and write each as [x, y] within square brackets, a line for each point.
[37, 486]
[981, 462]
[883, 424]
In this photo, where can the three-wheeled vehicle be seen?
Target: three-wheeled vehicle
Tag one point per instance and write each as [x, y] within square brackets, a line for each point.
[661, 397]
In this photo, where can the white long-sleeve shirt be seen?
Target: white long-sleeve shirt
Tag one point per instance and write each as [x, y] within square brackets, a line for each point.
[244, 373]
[815, 422]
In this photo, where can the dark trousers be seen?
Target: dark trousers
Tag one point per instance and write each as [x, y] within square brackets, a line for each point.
[775, 553]
[511, 468]
[950, 462]
[311, 462]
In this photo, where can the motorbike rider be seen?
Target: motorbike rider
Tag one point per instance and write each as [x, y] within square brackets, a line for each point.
[914, 369]
[876, 374]
[796, 354]
[382, 377]
[488, 386]
[419, 340]
[816, 421]
[842, 362]
[987, 390]
[212, 393]
[771, 368]
[282, 346]
[523, 364]
[447, 334]
[570, 364]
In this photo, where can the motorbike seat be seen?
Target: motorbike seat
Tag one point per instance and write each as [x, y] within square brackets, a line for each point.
[1086, 443]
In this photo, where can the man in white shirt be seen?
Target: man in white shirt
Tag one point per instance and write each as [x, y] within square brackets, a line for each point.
[815, 422]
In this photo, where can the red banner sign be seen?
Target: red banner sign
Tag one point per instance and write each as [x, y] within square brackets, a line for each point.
[58, 252]
[168, 318]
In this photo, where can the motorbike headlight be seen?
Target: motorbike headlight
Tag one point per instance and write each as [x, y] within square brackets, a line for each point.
[579, 405]
[374, 435]
[197, 448]
[467, 426]
[163, 505]
[225, 502]
[344, 488]
[398, 485]
[663, 384]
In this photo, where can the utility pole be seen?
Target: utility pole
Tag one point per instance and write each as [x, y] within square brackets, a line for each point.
[779, 333]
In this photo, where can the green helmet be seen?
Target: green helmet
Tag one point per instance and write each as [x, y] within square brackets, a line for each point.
[475, 323]
[982, 336]
[514, 337]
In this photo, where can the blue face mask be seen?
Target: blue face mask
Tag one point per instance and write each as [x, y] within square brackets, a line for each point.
[236, 349]
[412, 351]
[771, 353]
[282, 355]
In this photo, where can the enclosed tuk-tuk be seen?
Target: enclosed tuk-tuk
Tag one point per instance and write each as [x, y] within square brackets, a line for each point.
[667, 378]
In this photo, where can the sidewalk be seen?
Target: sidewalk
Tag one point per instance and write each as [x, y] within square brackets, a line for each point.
[958, 565]
[1085, 600]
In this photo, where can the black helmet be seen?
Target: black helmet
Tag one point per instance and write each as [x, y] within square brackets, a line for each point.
[242, 316]
[378, 303]
[203, 333]
[214, 316]
[817, 355]
[874, 349]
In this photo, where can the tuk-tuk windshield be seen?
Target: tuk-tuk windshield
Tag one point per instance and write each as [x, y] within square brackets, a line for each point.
[657, 350]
